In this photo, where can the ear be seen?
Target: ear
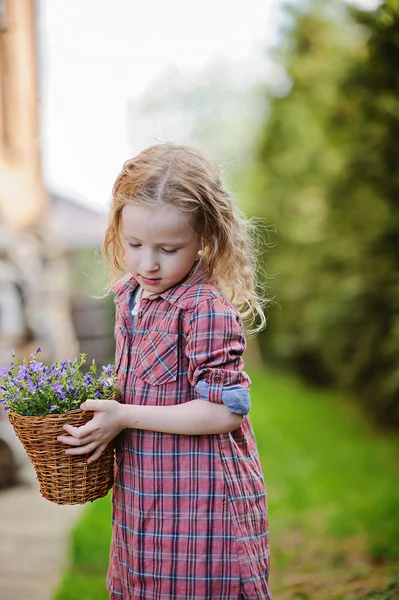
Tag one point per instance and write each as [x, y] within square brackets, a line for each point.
[204, 243]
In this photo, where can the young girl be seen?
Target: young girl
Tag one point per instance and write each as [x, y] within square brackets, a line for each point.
[189, 507]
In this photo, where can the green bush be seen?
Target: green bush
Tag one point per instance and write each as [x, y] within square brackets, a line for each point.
[328, 178]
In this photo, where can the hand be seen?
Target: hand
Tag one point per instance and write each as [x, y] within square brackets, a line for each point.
[95, 435]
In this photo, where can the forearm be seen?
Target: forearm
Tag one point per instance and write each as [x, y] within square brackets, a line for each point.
[197, 417]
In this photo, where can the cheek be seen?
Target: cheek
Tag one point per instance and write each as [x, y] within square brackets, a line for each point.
[129, 257]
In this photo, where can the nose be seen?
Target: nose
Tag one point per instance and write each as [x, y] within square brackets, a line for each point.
[149, 262]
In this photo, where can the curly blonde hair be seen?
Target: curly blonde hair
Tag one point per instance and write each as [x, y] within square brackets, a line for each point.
[182, 176]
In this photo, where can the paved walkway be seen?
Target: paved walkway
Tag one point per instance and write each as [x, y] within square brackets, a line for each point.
[33, 540]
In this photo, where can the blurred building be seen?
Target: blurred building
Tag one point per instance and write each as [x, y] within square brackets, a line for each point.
[38, 233]
[30, 279]
[78, 231]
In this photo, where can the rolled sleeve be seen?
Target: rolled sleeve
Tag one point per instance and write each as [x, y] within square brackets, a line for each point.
[215, 344]
[235, 397]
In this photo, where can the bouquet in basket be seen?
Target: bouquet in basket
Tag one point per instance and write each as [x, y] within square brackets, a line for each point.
[40, 399]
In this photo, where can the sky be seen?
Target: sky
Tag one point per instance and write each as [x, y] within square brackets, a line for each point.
[97, 55]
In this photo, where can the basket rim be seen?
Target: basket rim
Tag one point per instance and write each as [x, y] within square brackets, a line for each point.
[75, 411]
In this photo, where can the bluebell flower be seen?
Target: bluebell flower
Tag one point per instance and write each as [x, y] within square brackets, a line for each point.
[108, 370]
[32, 388]
[73, 391]
[58, 388]
[23, 371]
[36, 366]
[41, 379]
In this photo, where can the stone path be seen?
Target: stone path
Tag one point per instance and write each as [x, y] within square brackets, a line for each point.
[33, 541]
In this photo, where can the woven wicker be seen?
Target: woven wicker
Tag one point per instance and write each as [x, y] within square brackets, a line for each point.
[63, 479]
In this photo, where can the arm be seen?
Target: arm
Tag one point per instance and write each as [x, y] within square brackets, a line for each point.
[191, 418]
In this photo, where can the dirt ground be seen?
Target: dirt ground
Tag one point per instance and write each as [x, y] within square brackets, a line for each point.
[321, 569]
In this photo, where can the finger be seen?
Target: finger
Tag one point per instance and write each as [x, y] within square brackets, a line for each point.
[82, 449]
[73, 441]
[97, 453]
[80, 432]
[67, 439]
[93, 405]
[72, 430]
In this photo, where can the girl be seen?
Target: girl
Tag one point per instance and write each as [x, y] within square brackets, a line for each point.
[189, 507]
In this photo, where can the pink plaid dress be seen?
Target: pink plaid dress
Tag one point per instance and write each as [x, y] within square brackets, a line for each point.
[189, 512]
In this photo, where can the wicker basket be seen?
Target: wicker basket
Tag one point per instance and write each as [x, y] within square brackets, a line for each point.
[63, 479]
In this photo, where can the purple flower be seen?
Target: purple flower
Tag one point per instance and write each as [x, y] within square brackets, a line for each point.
[31, 386]
[72, 391]
[107, 383]
[41, 379]
[36, 366]
[63, 366]
[23, 372]
[58, 388]
[38, 350]
[108, 370]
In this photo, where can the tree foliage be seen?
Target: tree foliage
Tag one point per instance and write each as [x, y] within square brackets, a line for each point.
[328, 177]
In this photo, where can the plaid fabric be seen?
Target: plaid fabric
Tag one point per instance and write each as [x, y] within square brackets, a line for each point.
[189, 512]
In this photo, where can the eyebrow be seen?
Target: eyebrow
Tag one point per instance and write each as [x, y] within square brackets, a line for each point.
[136, 239]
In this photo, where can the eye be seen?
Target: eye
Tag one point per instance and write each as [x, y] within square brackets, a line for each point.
[132, 245]
[165, 251]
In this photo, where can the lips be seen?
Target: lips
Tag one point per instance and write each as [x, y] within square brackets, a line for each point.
[148, 281]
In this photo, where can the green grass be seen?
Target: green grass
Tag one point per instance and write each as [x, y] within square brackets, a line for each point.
[324, 464]
[332, 490]
[89, 549]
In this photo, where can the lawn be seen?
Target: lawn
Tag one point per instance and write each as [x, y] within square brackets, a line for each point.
[333, 491]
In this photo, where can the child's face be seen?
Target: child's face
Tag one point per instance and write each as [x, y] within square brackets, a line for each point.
[160, 245]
